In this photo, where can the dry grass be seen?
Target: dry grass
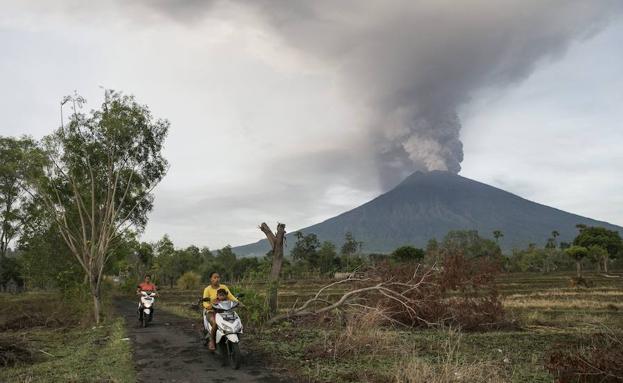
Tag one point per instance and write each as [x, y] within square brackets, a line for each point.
[553, 303]
[363, 334]
[549, 315]
[569, 293]
[419, 371]
[449, 368]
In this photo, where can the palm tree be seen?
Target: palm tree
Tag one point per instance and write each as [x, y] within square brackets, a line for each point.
[555, 234]
[497, 234]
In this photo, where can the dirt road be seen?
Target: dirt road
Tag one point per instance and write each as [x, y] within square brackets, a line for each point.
[170, 350]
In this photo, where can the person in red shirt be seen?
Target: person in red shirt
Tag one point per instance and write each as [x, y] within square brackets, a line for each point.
[146, 285]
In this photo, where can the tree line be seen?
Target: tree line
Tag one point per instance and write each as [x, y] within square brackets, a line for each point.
[74, 203]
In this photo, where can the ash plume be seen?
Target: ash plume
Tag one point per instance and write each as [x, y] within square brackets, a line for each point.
[415, 63]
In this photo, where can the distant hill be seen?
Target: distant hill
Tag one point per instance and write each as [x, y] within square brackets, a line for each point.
[428, 205]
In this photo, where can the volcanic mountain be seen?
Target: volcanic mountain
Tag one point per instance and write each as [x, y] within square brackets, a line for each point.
[428, 205]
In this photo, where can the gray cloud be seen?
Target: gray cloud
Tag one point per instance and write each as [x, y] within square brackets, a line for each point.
[294, 111]
[414, 63]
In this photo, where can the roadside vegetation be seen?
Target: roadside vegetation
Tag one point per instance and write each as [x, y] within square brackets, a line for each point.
[547, 327]
[45, 337]
[550, 326]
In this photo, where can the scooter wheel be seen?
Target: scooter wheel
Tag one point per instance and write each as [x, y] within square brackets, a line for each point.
[234, 355]
[224, 353]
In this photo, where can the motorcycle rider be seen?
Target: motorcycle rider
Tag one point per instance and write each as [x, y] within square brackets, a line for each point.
[146, 286]
[210, 296]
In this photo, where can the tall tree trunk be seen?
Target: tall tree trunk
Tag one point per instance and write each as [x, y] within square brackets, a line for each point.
[605, 264]
[276, 241]
[97, 299]
[97, 307]
[578, 268]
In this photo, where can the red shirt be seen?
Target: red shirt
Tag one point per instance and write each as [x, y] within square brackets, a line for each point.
[147, 286]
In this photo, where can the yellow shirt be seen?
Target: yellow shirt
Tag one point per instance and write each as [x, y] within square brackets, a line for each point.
[210, 292]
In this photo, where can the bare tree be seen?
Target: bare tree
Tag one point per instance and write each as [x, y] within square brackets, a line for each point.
[276, 241]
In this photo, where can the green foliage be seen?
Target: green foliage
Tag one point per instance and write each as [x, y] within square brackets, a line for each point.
[309, 255]
[45, 259]
[350, 246]
[408, 254]
[10, 272]
[18, 158]
[164, 267]
[189, 281]
[470, 244]
[577, 252]
[255, 311]
[538, 259]
[497, 234]
[328, 261]
[306, 248]
[598, 255]
[97, 177]
[609, 240]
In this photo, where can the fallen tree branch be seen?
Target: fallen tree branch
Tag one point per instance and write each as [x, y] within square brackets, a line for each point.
[389, 288]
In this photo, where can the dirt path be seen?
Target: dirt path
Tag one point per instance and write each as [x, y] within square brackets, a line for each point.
[170, 350]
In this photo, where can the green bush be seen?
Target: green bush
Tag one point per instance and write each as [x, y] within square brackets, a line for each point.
[255, 311]
[128, 285]
[189, 281]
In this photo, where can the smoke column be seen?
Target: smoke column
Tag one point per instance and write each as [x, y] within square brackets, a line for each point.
[414, 63]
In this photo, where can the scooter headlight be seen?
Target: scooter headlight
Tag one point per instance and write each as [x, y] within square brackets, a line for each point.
[226, 327]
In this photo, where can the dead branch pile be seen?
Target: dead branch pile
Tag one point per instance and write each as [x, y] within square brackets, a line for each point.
[460, 292]
[600, 361]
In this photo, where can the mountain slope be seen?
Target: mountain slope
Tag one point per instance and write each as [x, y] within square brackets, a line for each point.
[428, 205]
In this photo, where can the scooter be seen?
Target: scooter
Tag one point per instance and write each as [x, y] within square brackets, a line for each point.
[228, 331]
[145, 311]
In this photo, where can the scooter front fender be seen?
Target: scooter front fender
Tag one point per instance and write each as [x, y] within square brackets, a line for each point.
[147, 311]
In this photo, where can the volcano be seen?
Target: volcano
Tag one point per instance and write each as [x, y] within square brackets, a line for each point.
[428, 205]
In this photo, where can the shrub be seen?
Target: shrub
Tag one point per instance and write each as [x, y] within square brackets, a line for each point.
[461, 293]
[408, 254]
[189, 281]
[255, 311]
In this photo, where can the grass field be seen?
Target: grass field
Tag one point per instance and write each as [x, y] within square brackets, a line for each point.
[547, 315]
[44, 339]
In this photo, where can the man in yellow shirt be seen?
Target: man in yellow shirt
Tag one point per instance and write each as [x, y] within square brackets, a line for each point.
[209, 298]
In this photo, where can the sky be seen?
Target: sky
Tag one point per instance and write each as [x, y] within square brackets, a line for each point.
[298, 111]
